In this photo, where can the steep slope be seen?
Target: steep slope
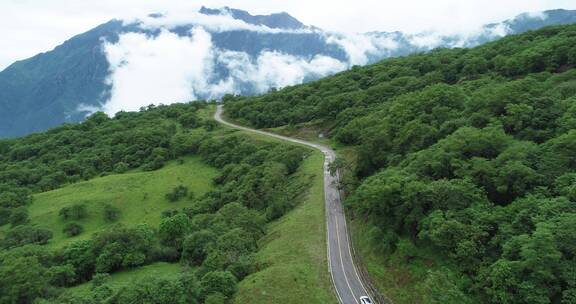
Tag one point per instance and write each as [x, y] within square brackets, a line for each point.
[77, 77]
[45, 90]
[459, 165]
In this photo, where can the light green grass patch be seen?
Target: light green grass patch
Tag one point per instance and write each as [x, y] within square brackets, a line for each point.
[138, 195]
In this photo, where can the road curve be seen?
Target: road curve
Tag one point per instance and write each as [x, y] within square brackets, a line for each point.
[348, 285]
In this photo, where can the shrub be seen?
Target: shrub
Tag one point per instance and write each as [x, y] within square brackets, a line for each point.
[177, 193]
[19, 216]
[111, 213]
[72, 229]
[169, 213]
[74, 212]
[120, 167]
[99, 279]
[24, 234]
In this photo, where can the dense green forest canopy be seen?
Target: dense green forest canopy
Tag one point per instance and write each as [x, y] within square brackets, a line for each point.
[214, 237]
[470, 152]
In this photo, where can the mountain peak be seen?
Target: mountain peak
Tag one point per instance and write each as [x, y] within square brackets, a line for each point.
[280, 20]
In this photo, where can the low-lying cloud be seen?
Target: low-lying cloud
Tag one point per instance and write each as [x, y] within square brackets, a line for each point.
[212, 23]
[274, 69]
[166, 67]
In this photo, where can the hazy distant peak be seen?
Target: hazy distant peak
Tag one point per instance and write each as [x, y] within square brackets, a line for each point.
[535, 20]
[281, 20]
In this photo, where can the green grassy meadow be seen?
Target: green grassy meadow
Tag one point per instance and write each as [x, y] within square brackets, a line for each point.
[138, 195]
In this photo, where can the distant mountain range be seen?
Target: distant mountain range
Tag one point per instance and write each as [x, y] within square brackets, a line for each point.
[122, 65]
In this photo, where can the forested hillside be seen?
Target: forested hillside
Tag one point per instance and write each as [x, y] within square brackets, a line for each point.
[214, 236]
[466, 153]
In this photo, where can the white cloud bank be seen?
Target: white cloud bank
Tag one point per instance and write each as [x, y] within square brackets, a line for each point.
[167, 68]
[212, 23]
[276, 70]
[146, 70]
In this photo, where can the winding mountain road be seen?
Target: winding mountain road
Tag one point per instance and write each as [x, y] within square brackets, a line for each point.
[347, 282]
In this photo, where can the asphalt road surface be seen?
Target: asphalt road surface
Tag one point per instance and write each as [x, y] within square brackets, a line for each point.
[348, 285]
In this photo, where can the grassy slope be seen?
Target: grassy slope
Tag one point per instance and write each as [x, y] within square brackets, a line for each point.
[139, 196]
[295, 252]
[124, 278]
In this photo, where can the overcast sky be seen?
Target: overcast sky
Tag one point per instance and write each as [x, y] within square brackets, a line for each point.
[28, 27]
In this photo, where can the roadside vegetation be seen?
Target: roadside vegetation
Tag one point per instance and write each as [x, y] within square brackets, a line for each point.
[294, 250]
[463, 173]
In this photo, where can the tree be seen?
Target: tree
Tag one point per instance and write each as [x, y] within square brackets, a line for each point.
[97, 118]
[173, 229]
[80, 255]
[218, 282]
[121, 247]
[110, 258]
[187, 143]
[196, 246]
[62, 275]
[441, 288]
[22, 279]
[189, 120]
[22, 235]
